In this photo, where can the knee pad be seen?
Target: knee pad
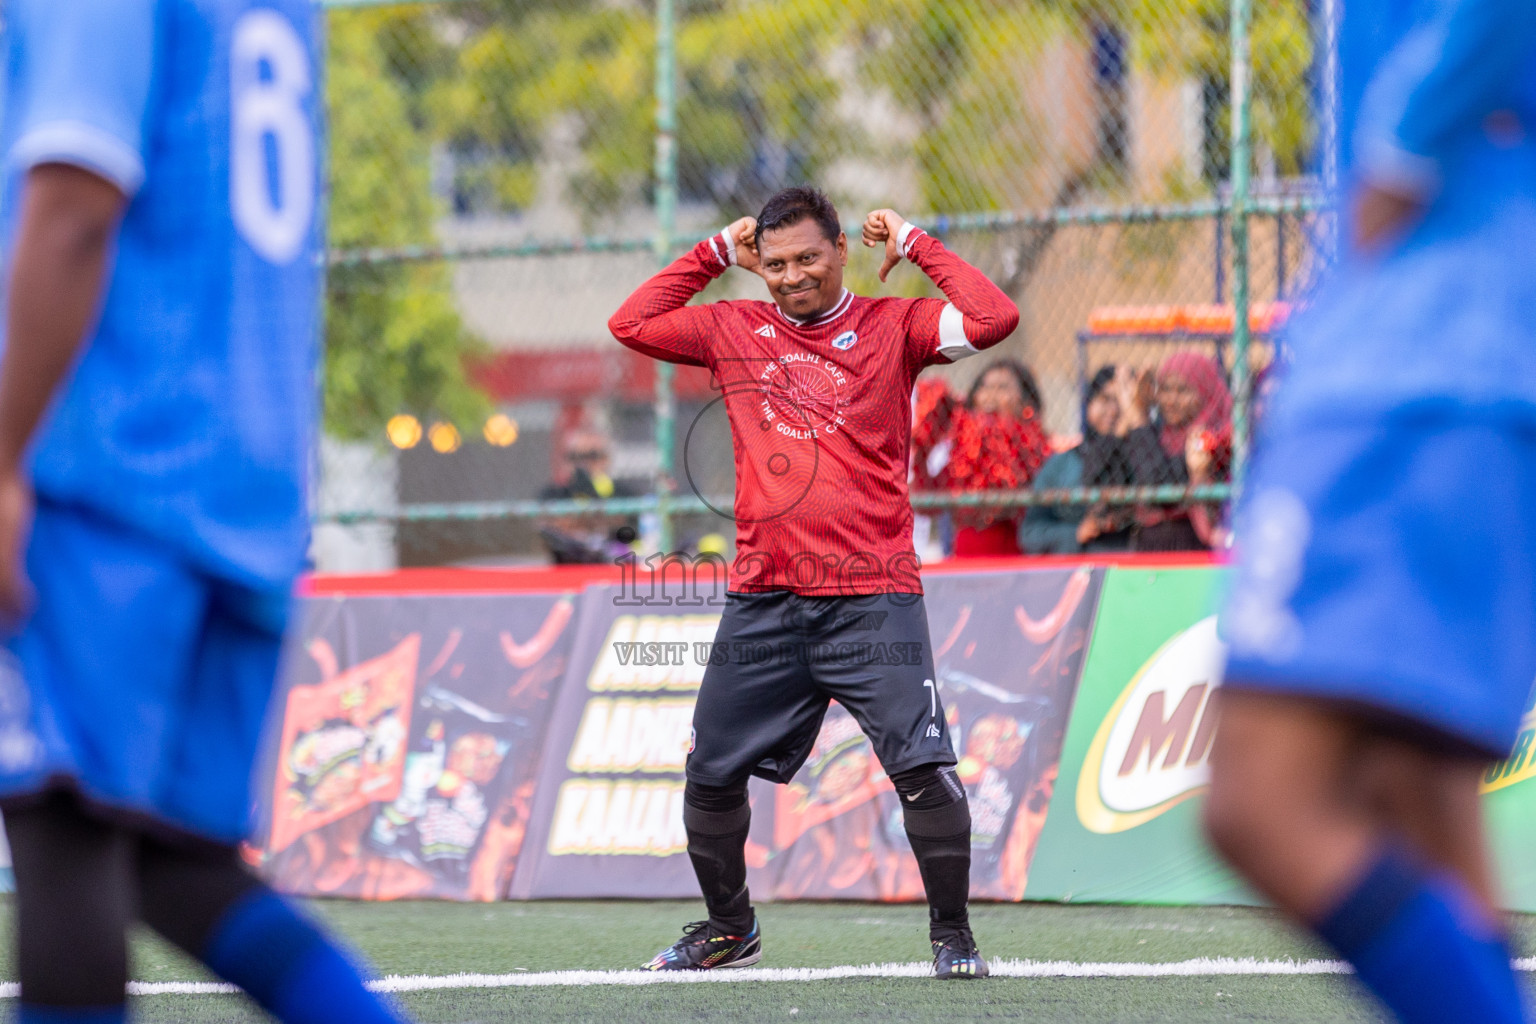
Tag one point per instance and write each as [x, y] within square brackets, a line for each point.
[933, 802]
[716, 810]
[928, 787]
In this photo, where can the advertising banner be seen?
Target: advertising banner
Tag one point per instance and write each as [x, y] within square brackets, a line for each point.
[1124, 825]
[410, 732]
[419, 739]
[608, 816]
[1008, 647]
[1509, 801]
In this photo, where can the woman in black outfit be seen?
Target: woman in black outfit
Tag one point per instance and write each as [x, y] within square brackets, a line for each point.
[1118, 450]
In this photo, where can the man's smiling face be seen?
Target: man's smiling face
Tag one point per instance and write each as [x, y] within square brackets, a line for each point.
[803, 268]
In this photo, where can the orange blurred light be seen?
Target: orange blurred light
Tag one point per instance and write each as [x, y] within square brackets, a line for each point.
[404, 431]
[444, 438]
[501, 430]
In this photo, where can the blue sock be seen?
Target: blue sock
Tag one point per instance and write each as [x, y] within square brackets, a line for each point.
[292, 970]
[29, 1013]
[1419, 942]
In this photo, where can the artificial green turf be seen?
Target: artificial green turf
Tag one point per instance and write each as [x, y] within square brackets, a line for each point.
[606, 936]
[1121, 1001]
[443, 938]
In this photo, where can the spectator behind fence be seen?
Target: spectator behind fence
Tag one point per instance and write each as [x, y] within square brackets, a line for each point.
[1194, 411]
[1113, 445]
[994, 442]
[1209, 458]
[588, 537]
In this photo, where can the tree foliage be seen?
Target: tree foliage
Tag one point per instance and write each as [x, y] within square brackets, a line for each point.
[780, 90]
[1192, 38]
[394, 340]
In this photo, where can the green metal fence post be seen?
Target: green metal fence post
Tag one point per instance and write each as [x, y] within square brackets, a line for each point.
[666, 225]
[1242, 162]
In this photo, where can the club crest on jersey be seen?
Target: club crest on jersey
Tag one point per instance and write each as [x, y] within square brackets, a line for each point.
[843, 342]
[766, 331]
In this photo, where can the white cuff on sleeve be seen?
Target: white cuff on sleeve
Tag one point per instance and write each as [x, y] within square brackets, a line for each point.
[81, 145]
[724, 247]
[953, 344]
[904, 237]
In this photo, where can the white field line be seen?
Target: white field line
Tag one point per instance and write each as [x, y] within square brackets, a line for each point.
[1000, 969]
[1202, 967]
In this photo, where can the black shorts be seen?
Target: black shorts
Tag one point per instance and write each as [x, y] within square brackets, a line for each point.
[779, 658]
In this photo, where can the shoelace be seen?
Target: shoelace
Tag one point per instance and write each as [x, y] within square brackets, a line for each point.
[965, 945]
[693, 928]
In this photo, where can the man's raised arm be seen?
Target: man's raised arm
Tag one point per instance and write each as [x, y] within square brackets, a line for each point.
[978, 314]
[657, 321]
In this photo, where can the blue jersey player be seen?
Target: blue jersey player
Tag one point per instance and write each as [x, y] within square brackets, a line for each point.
[159, 219]
[1382, 620]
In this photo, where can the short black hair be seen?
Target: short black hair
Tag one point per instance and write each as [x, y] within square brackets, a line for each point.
[1028, 388]
[792, 205]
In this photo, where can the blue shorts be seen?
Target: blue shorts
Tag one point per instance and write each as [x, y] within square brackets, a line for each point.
[139, 681]
[1390, 564]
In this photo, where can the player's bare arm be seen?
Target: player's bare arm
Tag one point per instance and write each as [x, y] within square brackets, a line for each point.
[68, 220]
[1382, 215]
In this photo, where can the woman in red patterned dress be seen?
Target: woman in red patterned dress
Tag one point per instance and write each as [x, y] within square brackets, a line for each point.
[994, 442]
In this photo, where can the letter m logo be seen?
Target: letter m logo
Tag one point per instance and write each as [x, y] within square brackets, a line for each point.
[1155, 733]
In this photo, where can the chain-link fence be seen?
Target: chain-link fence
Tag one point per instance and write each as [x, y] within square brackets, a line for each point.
[505, 172]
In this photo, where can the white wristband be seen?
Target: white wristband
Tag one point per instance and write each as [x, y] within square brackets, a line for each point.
[904, 236]
[724, 248]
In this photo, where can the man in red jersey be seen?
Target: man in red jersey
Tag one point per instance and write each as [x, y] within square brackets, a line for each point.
[824, 599]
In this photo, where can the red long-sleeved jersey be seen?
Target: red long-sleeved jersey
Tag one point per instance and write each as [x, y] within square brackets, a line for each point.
[820, 410]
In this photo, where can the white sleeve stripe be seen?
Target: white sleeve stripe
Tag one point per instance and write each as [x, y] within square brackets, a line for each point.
[714, 247]
[728, 244]
[81, 145]
[953, 344]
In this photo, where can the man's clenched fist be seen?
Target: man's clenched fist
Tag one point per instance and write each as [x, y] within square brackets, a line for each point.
[884, 226]
[744, 233]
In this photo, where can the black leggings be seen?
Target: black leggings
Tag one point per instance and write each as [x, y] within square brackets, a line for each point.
[81, 881]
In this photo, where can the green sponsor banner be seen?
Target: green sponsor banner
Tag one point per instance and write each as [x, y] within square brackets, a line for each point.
[1509, 799]
[1123, 824]
[1124, 819]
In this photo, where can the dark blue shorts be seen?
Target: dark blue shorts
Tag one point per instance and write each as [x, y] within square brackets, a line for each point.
[779, 658]
[138, 681]
[1391, 565]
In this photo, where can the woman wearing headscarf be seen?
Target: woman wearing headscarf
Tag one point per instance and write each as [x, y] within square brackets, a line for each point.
[1195, 430]
[994, 442]
[1070, 529]
[1114, 445]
